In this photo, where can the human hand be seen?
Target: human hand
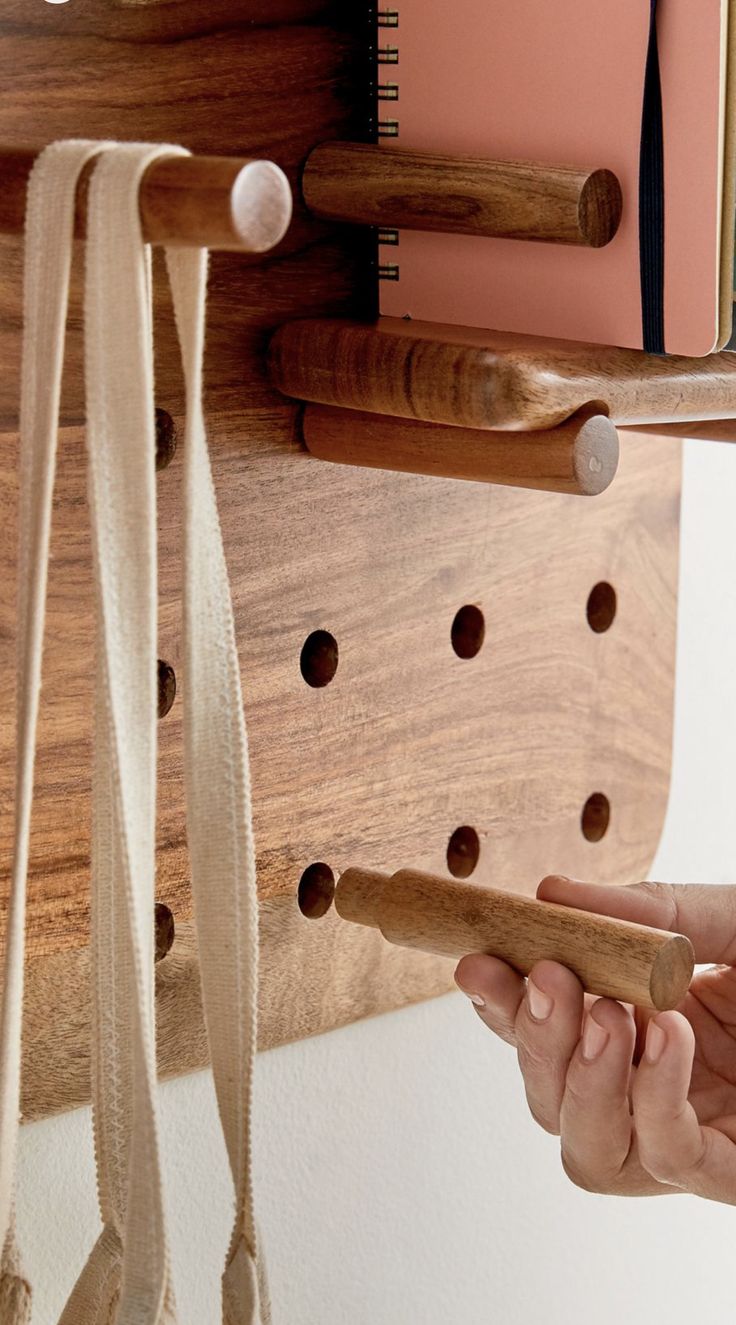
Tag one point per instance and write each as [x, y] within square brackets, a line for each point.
[644, 1102]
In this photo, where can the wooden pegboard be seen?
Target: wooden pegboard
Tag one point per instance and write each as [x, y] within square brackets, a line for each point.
[408, 742]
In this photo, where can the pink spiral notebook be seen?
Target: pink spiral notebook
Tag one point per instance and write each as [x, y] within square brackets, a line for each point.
[560, 81]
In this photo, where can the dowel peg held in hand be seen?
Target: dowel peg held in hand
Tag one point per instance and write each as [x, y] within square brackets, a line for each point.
[612, 958]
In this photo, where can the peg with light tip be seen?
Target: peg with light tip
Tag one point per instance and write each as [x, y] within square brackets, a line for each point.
[370, 185]
[217, 202]
[650, 968]
[579, 457]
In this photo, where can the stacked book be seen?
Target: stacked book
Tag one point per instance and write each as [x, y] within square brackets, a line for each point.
[643, 88]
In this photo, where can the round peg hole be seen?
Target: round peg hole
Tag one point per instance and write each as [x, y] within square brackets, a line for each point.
[463, 851]
[166, 439]
[596, 817]
[166, 687]
[601, 607]
[468, 631]
[319, 658]
[316, 890]
[164, 930]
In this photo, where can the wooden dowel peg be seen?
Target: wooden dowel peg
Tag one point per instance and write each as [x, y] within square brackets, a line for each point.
[372, 185]
[217, 202]
[579, 457]
[704, 430]
[612, 958]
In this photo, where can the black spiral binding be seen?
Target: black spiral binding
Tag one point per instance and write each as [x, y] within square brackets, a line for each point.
[387, 90]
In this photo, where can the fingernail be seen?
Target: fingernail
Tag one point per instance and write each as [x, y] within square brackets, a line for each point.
[478, 999]
[540, 1004]
[656, 1041]
[595, 1039]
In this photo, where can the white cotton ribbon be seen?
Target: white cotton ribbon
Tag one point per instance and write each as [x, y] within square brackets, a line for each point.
[219, 812]
[127, 1277]
[48, 250]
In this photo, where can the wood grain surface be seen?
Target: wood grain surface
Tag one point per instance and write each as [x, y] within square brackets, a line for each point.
[491, 379]
[341, 973]
[408, 740]
[361, 183]
[257, 78]
[213, 202]
[705, 430]
[579, 456]
[612, 958]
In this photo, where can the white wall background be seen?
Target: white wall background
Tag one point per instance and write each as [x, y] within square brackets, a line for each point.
[400, 1179]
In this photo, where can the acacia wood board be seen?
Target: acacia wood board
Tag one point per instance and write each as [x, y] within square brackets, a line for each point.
[407, 743]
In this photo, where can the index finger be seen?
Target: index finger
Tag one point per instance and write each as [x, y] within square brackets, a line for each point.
[706, 913]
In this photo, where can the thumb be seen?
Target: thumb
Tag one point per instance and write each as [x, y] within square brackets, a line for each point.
[705, 913]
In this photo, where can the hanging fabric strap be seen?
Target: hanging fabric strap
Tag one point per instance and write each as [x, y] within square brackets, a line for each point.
[15, 1290]
[219, 815]
[126, 1279]
[48, 247]
[651, 198]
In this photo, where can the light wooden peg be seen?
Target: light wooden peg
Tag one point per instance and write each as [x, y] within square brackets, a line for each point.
[217, 202]
[371, 185]
[579, 457]
[612, 958]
